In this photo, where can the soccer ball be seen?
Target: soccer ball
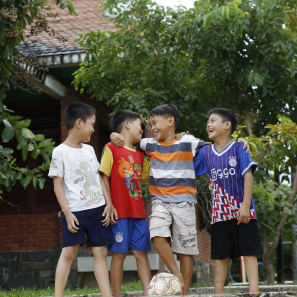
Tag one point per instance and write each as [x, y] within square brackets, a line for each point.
[164, 284]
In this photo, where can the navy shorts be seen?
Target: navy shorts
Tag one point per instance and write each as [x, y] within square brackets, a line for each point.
[91, 230]
[130, 234]
[229, 240]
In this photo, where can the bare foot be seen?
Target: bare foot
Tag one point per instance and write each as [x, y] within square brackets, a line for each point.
[180, 277]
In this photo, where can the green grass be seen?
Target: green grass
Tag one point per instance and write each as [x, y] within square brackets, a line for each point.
[49, 291]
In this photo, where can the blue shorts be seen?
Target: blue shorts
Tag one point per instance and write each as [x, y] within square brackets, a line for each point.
[130, 234]
[91, 230]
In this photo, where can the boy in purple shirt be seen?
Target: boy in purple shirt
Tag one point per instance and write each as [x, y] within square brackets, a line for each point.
[234, 227]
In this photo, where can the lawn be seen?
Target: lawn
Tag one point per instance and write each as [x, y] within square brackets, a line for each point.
[33, 292]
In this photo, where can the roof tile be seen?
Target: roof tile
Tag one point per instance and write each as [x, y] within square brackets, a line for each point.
[90, 18]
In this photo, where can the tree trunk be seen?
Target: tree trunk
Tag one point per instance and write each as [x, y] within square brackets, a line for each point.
[270, 271]
[294, 231]
[268, 265]
[280, 262]
[248, 122]
[227, 280]
[294, 260]
[279, 251]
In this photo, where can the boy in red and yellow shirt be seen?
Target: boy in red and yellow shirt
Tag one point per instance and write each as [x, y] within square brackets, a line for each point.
[122, 169]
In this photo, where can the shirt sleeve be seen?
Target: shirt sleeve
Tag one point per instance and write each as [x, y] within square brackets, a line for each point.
[245, 161]
[57, 165]
[143, 143]
[106, 161]
[146, 169]
[200, 164]
[196, 143]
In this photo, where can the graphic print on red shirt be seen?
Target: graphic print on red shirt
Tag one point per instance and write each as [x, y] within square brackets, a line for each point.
[126, 174]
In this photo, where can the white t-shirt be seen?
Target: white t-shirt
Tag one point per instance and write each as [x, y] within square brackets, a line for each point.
[79, 169]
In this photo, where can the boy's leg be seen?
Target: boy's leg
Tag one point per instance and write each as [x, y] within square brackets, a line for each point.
[63, 268]
[119, 249]
[164, 250]
[143, 268]
[184, 239]
[101, 269]
[221, 268]
[116, 273]
[160, 221]
[186, 269]
[251, 268]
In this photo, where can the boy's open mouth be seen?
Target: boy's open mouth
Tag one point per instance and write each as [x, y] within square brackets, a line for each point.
[210, 131]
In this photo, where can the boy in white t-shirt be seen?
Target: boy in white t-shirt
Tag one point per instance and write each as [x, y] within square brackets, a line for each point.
[86, 205]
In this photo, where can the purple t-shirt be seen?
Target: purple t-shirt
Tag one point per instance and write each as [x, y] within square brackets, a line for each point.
[226, 172]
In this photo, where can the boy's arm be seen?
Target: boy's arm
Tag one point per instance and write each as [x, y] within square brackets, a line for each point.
[243, 215]
[246, 144]
[117, 139]
[247, 168]
[108, 211]
[70, 217]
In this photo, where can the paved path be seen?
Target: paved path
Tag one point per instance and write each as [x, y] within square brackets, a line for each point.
[240, 291]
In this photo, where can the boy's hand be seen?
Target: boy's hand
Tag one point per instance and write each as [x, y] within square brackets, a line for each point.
[246, 144]
[113, 216]
[117, 139]
[106, 214]
[71, 221]
[243, 215]
[181, 134]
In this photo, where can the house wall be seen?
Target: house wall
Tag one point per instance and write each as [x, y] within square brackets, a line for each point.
[29, 232]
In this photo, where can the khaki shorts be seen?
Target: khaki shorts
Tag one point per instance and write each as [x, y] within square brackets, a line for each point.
[182, 217]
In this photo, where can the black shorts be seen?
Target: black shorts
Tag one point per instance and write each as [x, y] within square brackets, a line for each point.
[229, 240]
[91, 230]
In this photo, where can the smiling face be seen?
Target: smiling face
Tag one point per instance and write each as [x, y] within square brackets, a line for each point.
[135, 130]
[160, 126]
[86, 128]
[216, 127]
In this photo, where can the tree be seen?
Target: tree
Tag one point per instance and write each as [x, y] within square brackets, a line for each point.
[14, 16]
[238, 54]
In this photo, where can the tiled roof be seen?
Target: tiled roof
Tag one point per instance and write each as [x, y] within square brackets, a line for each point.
[90, 18]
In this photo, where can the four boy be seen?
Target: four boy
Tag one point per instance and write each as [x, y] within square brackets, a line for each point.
[173, 189]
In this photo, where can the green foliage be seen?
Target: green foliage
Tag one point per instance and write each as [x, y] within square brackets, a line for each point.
[232, 54]
[13, 129]
[145, 192]
[14, 17]
[274, 151]
[271, 202]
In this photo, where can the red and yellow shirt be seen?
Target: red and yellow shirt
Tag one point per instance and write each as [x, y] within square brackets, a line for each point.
[126, 167]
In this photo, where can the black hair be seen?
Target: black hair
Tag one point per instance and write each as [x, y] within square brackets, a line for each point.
[226, 115]
[78, 110]
[118, 118]
[166, 110]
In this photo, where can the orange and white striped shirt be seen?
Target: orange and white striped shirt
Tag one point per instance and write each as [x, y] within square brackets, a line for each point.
[172, 175]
